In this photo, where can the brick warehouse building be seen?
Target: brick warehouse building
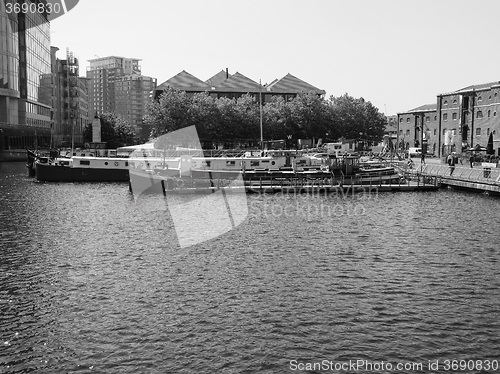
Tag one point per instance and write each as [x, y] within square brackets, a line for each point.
[410, 127]
[459, 120]
[473, 111]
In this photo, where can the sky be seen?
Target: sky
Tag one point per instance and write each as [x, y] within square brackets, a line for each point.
[397, 54]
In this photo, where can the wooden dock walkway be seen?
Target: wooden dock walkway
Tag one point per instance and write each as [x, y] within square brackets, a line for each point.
[318, 189]
[479, 179]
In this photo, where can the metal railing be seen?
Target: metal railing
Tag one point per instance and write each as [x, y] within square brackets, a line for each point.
[478, 174]
[203, 153]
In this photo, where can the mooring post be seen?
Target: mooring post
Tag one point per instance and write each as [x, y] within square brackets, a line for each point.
[163, 187]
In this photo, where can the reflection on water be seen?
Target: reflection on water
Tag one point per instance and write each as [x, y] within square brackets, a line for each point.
[91, 281]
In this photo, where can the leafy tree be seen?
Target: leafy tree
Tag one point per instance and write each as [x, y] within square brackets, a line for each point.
[310, 115]
[205, 116]
[357, 119]
[169, 113]
[276, 119]
[489, 147]
[247, 116]
[238, 120]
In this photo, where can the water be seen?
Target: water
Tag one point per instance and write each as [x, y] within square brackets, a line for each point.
[92, 282]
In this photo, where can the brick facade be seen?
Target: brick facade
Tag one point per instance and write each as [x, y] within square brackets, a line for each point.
[458, 121]
[410, 128]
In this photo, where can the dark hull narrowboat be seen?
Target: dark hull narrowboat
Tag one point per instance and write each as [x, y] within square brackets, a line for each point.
[83, 169]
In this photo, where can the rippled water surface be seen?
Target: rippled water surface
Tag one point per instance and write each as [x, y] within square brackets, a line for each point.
[91, 281]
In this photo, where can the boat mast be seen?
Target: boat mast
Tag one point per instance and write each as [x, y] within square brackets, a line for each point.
[260, 110]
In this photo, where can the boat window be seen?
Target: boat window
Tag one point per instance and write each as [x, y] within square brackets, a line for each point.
[254, 163]
[229, 163]
[106, 163]
[84, 162]
[126, 163]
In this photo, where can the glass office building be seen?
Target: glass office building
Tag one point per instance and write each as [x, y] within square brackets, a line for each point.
[9, 66]
[25, 104]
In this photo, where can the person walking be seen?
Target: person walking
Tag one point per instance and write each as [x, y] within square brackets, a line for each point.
[451, 162]
[471, 160]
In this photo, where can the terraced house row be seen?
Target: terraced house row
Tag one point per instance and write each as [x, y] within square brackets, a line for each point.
[457, 121]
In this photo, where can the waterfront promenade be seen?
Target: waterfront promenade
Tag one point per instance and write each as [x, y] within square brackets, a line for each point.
[483, 177]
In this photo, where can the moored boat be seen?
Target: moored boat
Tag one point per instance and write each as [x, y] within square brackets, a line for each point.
[82, 169]
[196, 174]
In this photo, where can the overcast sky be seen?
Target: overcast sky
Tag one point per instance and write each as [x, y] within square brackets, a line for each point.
[397, 54]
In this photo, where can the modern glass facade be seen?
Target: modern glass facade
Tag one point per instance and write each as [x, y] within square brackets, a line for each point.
[9, 66]
[34, 61]
[25, 106]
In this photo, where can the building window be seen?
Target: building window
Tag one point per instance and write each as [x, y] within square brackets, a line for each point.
[489, 113]
[480, 98]
[478, 131]
[445, 117]
[479, 114]
[454, 115]
[494, 114]
[444, 131]
[445, 102]
[435, 131]
[435, 118]
[454, 101]
[488, 131]
[427, 119]
[408, 132]
[408, 120]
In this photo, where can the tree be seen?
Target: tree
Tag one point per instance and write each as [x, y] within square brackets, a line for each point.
[247, 114]
[276, 119]
[238, 120]
[169, 113]
[310, 115]
[489, 147]
[358, 119]
[205, 116]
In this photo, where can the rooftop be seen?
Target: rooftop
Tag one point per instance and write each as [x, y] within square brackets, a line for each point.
[237, 82]
[474, 87]
[422, 108]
